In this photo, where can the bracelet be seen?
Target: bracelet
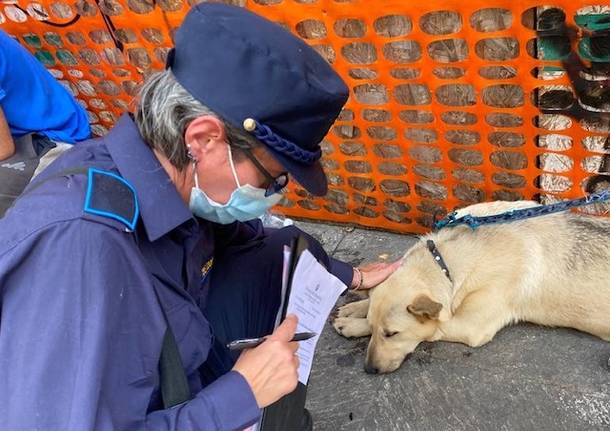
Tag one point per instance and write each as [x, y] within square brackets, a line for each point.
[360, 278]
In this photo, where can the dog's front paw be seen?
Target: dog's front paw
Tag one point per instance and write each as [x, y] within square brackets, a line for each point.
[356, 309]
[351, 327]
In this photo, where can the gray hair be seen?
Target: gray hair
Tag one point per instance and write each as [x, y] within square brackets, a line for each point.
[165, 109]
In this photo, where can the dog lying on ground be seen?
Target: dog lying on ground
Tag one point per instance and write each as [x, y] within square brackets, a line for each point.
[464, 285]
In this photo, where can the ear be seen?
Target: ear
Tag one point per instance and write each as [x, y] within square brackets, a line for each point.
[424, 308]
[203, 135]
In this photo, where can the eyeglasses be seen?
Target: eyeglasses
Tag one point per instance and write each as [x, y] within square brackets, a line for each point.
[276, 184]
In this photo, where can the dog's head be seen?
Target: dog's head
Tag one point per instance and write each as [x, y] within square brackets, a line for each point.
[406, 310]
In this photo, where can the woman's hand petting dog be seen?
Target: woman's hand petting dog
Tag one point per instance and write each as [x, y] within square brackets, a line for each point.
[373, 274]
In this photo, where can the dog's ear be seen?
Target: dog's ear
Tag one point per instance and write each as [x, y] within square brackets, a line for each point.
[424, 308]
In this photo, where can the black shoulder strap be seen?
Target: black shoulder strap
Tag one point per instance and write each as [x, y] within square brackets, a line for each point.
[73, 171]
[33, 185]
[174, 386]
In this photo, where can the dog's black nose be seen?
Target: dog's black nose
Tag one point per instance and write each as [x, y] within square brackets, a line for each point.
[370, 369]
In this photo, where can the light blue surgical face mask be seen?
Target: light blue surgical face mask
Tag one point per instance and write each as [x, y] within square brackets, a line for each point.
[246, 202]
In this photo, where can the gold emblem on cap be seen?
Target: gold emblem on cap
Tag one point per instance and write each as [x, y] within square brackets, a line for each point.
[249, 124]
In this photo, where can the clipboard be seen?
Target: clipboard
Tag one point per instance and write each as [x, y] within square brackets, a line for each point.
[297, 246]
[287, 413]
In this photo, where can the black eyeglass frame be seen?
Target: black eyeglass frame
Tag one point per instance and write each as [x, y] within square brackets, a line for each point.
[276, 184]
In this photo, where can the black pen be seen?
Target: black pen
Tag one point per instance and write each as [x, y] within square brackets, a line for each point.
[249, 343]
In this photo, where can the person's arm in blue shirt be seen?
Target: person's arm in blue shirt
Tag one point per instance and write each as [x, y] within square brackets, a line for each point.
[7, 145]
[72, 292]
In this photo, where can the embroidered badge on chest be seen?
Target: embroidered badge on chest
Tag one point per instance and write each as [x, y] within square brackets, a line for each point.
[205, 269]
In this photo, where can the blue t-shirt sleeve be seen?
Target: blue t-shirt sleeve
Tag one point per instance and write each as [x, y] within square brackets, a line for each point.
[2, 68]
[35, 101]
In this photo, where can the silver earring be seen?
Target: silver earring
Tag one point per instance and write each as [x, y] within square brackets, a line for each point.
[189, 154]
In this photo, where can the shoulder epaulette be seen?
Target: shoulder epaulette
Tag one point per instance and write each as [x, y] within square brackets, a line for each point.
[110, 195]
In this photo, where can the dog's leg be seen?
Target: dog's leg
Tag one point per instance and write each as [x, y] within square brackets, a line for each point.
[476, 321]
[354, 309]
[352, 327]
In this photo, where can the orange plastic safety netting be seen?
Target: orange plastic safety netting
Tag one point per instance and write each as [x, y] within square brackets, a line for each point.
[446, 95]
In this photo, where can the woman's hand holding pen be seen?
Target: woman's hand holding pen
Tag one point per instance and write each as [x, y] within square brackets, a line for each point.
[271, 368]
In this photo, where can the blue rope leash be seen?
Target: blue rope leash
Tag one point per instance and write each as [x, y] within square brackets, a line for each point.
[525, 213]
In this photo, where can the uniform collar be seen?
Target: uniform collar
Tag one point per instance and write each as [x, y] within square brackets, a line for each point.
[161, 206]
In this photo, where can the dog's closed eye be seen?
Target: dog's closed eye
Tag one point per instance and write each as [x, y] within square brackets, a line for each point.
[389, 334]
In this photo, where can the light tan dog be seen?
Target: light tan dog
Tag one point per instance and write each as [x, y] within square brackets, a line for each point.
[552, 270]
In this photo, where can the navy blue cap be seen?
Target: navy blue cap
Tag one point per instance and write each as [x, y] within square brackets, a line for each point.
[258, 76]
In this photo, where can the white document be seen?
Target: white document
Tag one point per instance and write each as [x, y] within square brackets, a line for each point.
[314, 293]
